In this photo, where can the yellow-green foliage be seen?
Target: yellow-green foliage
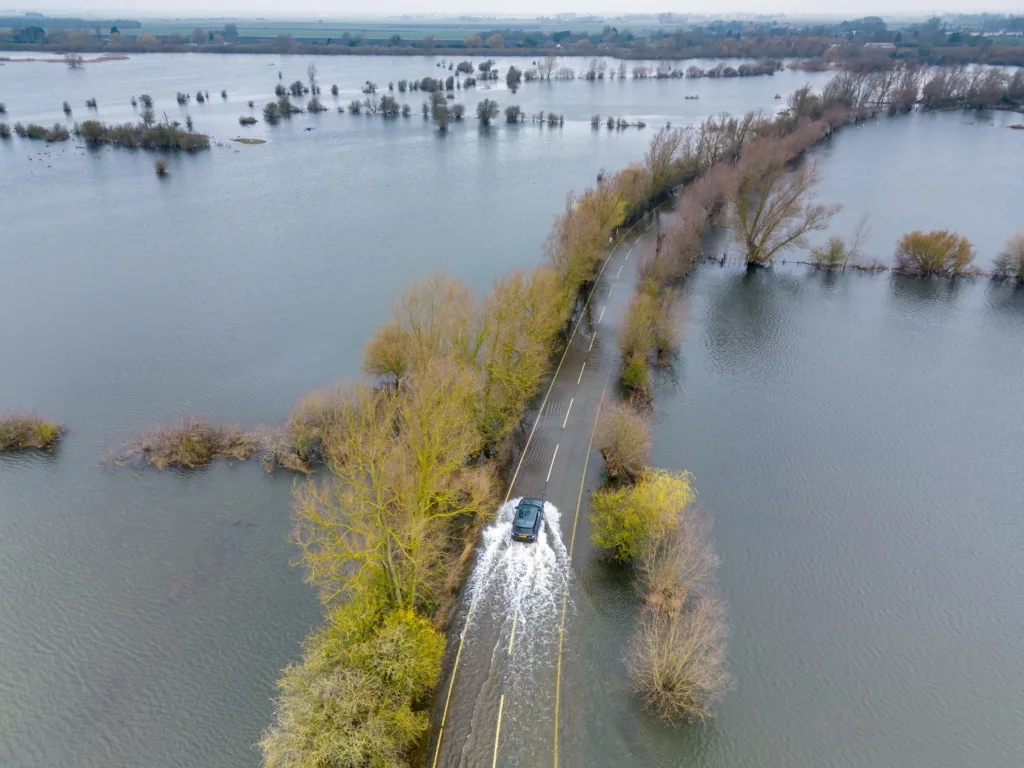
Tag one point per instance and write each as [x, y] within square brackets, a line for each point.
[830, 255]
[636, 375]
[359, 697]
[625, 519]
[939, 252]
[21, 430]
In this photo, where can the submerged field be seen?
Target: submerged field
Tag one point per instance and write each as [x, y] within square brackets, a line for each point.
[852, 436]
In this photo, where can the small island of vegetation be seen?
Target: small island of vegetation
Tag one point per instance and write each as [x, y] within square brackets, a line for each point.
[19, 431]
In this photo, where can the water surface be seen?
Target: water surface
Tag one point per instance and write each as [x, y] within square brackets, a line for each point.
[854, 437]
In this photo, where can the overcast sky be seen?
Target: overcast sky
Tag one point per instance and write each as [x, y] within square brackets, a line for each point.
[342, 8]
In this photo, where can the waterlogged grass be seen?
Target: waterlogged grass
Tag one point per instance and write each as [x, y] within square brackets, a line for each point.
[190, 444]
[250, 141]
[19, 431]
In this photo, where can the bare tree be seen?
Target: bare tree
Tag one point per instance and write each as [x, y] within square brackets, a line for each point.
[311, 76]
[547, 67]
[682, 563]
[771, 210]
[74, 60]
[677, 661]
[1010, 262]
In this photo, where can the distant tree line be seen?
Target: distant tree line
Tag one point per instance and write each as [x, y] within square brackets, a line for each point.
[995, 40]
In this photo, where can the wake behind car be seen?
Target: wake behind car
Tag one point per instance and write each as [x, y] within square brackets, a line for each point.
[527, 520]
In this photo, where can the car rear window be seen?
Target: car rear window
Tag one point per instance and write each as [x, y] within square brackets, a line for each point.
[526, 517]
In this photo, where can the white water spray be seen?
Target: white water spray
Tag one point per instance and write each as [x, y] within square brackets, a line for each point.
[522, 583]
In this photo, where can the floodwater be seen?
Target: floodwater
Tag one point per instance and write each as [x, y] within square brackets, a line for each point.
[855, 438]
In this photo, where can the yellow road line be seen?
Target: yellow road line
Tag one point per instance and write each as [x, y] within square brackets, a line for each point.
[511, 485]
[497, 733]
[572, 543]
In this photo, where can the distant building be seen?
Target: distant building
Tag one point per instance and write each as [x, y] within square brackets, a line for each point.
[879, 45]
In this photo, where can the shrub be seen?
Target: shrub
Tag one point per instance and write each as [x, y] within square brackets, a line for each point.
[311, 424]
[280, 90]
[3, 108]
[146, 99]
[595, 121]
[200, 97]
[1009, 263]
[271, 112]
[252, 104]
[626, 519]
[224, 95]
[248, 119]
[27, 430]
[36, 131]
[314, 105]
[671, 568]
[636, 337]
[67, 108]
[487, 110]
[406, 111]
[830, 255]
[192, 443]
[388, 106]
[513, 114]
[939, 252]
[624, 441]
[182, 98]
[677, 661]
[90, 103]
[355, 106]
[334, 90]
[5, 131]
[161, 136]
[360, 695]
[161, 166]
[636, 376]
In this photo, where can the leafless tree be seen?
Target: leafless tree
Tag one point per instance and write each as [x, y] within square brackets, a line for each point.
[771, 210]
[677, 660]
[547, 67]
[682, 563]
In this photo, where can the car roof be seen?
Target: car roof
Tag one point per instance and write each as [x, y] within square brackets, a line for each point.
[527, 502]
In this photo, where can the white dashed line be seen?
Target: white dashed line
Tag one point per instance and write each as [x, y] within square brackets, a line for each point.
[552, 464]
[567, 410]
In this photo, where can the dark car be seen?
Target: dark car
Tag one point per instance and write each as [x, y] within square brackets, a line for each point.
[528, 519]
